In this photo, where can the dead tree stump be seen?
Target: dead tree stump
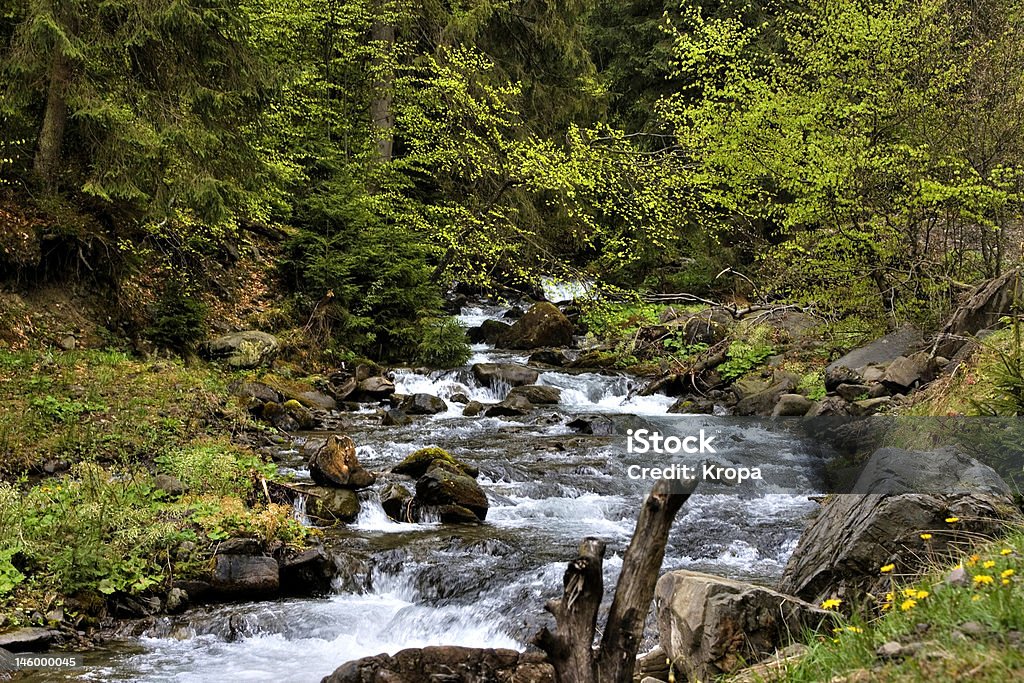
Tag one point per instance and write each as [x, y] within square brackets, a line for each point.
[570, 648]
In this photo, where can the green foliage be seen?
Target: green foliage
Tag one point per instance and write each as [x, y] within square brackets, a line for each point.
[63, 410]
[443, 343]
[214, 468]
[1005, 375]
[179, 319]
[743, 356]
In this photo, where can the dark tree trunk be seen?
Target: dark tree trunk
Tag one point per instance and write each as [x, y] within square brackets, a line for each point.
[51, 135]
[570, 648]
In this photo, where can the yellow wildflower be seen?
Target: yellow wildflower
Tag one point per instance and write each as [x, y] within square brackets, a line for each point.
[831, 603]
[975, 598]
[988, 564]
[1007, 573]
[983, 579]
[887, 568]
[1006, 551]
[855, 629]
[926, 537]
[1006, 582]
[952, 520]
[972, 560]
[908, 604]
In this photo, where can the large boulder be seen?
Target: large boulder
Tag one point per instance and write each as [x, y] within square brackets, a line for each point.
[445, 485]
[898, 495]
[306, 572]
[543, 325]
[901, 342]
[397, 502]
[712, 626]
[447, 663]
[905, 374]
[243, 350]
[792, 405]
[26, 639]
[373, 389]
[491, 374]
[336, 464]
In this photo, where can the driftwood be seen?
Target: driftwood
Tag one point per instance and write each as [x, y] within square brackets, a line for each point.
[570, 648]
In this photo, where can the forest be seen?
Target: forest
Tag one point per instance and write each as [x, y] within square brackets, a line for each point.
[248, 245]
[862, 158]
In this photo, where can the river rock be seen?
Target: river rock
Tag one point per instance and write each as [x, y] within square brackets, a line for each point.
[308, 572]
[395, 418]
[245, 575]
[416, 464]
[598, 425]
[513, 406]
[711, 626]
[852, 392]
[901, 342]
[763, 402]
[899, 494]
[397, 502]
[445, 484]
[28, 639]
[177, 600]
[423, 404]
[542, 325]
[447, 663]
[336, 464]
[473, 408]
[244, 350]
[373, 389]
[830, 406]
[692, 405]
[553, 357]
[537, 394]
[317, 400]
[299, 413]
[331, 505]
[792, 405]
[256, 390]
[490, 374]
[903, 375]
[489, 332]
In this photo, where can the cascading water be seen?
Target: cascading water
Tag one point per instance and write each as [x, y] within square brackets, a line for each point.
[411, 585]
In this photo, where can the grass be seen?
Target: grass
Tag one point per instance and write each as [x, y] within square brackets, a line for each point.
[930, 615]
[99, 527]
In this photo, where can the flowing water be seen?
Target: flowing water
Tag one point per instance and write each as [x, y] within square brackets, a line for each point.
[412, 585]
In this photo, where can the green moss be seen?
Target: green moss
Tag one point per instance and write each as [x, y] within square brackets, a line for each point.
[416, 464]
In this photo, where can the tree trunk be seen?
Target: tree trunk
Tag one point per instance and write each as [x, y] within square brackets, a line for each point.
[51, 136]
[383, 36]
[570, 648]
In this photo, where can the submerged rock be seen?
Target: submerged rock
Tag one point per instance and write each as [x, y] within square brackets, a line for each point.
[395, 418]
[336, 464]
[473, 408]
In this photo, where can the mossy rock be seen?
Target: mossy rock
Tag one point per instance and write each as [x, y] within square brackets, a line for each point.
[330, 505]
[417, 464]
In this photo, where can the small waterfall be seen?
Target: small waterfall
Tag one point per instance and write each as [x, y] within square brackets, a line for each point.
[299, 510]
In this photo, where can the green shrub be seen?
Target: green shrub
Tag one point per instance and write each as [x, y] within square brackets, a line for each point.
[744, 356]
[178, 320]
[443, 343]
